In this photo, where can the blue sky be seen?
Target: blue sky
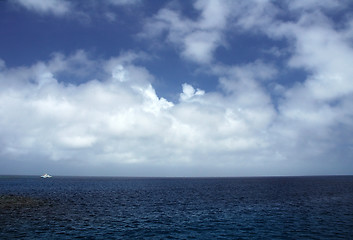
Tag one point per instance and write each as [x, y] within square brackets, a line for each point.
[176, 88]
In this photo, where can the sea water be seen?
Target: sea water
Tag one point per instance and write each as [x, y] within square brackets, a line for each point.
[176, 208]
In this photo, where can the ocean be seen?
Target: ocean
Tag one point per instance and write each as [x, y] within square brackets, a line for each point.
[176, 208]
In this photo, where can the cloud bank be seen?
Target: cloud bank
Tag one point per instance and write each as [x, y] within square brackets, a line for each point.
[84, 111]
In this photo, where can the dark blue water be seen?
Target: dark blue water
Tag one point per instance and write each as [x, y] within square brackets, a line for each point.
[179, 208]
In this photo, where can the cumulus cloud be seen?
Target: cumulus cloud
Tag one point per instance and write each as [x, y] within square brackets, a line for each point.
[197, 39]
[106, 111]
[55, 7]
[311, 112]
[320, 47]
[67, 118]
[189, 92]
[121, 119]
[323, 51]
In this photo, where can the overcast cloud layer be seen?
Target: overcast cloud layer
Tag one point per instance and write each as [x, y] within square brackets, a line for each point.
[80, 113]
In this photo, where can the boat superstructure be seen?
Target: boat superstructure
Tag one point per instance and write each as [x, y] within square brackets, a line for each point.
[46, 176]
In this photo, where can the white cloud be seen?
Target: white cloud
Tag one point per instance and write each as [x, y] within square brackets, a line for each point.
[83, 12]
[189, 92]
[120, 120]
[107, 111]
[56, 7]
[315, 4]
[122, 2]
[254, 14]
[200, 45]
[213, 13]
[197, 39]
[323, 51]
[67, 118]
[317, 43]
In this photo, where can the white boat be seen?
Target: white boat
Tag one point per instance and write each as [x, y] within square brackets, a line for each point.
[46, 176]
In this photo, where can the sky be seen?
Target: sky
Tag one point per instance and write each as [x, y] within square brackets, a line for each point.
[201, 88]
